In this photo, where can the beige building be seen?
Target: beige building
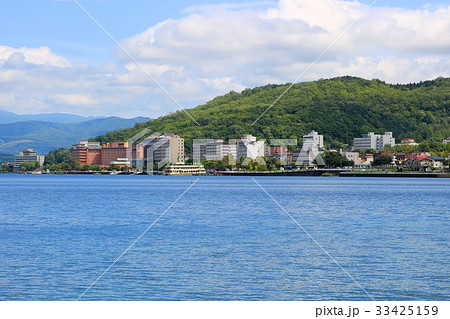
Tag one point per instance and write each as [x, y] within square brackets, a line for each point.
[166, 147]
[352, 156]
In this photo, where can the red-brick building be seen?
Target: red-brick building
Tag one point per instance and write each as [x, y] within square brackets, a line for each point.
[111, 152]
[87, 153]
[92, 153]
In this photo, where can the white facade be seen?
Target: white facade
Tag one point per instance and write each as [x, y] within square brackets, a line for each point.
[213, 150]
[310, 149]
[374, 141]
[313, 139]
[91, 145]
[230, 148]
[28, 155]
[352, 156]
[249, 147]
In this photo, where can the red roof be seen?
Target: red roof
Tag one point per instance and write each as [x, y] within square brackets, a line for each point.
[420, 157]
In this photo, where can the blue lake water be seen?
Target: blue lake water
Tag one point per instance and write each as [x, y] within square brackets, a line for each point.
[225, 239]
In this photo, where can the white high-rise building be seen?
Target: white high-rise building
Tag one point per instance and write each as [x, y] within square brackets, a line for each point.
[312, 143]
[249, 147]
[213, 149]
[374, 141]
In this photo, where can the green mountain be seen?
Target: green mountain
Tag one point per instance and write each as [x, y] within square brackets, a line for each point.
[339, 108]
[47, 136]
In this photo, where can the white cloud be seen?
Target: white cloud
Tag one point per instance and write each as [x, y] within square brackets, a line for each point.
[252, 46]
[36, 56]
[73, 99]
[218, 48]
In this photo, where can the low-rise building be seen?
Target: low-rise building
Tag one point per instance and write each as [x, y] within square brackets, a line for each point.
[409, 141]
[419, 163]
[28, 155]
[365, 161]
[351, 156]
[438, 162]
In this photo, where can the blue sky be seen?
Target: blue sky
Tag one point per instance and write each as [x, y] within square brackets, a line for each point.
[199, 49]
[62, 26]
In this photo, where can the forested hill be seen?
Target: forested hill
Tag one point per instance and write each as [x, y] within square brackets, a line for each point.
[339, 108]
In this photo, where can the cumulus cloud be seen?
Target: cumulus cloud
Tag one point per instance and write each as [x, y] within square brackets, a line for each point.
[256, 45]
[218, 48]
[36, 56]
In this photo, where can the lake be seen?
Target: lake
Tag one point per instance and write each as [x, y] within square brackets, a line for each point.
[224, 239]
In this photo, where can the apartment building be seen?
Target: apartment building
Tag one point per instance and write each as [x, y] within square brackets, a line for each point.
[374, 141]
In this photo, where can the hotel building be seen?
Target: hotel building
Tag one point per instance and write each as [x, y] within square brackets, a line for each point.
[374, 141]
[27, 155]
[312, 143]
[249, 147]
[86, 152]
[213, 149]
[166, 147]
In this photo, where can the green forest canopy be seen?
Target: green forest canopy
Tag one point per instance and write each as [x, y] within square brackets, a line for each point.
[340, 109]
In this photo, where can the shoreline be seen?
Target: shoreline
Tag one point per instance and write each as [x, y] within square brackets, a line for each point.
[339, 173]
[312, 173]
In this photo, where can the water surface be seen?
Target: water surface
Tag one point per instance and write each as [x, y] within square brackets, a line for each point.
[225, 239]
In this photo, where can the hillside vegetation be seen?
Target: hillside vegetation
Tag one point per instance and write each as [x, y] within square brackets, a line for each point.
[340, 109]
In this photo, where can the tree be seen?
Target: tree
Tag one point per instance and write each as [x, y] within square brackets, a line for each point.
[7, 168]
[75, 165]
[382, 160]
[370, 151]
[29, 166]
[114, 167]
[86, 167]
[335, 159]
[59, 156]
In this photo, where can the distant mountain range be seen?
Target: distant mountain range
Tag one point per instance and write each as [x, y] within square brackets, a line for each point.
[10, 117]
[53, 131]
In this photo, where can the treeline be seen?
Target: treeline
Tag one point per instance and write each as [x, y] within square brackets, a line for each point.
[340, 109]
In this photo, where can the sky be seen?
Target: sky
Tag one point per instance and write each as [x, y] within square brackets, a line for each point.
[54, 58]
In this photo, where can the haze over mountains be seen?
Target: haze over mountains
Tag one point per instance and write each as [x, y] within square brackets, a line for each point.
[10, 117]
[47, 132]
